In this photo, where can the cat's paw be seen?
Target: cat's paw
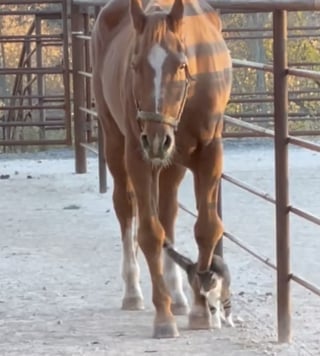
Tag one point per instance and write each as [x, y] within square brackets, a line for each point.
[222, 317]
[229, 321]
[216, 321]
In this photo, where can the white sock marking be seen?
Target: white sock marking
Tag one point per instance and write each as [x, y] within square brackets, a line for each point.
[156, 58]
[130, 266]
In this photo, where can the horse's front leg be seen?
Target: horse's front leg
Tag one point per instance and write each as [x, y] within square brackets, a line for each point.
[208, 228]
[151, 237]
[170, 180]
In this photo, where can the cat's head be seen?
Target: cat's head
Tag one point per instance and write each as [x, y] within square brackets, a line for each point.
[208, 280]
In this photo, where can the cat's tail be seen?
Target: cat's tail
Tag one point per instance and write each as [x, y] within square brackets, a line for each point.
[184, 262]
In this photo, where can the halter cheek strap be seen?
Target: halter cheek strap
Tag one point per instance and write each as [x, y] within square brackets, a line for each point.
[164, 119]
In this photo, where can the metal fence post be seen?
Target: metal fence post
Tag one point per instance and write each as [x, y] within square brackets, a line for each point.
[281, 174]
[40, 77]
[66, 70]
[219, 248]
[103, 184]
[78, 89]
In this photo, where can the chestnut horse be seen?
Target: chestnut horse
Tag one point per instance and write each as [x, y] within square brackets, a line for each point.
[162, 78]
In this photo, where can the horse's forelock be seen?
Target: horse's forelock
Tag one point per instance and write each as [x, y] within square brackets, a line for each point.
[158, 30]
[155, 30]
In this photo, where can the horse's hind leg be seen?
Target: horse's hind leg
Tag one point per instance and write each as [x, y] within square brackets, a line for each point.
[208, 228]
[124, 205]
[170, 179]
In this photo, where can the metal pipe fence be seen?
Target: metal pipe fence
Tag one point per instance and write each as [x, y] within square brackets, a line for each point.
[28, 107]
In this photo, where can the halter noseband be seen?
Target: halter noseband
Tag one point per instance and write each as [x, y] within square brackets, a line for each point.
[163, 119]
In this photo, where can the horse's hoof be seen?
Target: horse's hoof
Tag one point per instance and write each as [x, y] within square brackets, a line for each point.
[199, 321]
[165, 330]
[132, 303]
[180, 309]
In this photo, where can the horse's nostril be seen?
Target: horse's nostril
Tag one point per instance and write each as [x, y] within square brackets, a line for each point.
[166, 142]
[144, 141]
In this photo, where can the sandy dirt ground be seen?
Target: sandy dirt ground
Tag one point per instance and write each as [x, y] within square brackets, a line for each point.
[60, 260]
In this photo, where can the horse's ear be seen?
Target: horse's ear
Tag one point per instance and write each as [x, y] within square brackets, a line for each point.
[175, 16]
[137, 15]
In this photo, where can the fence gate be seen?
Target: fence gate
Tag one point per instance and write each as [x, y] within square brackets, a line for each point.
[34, 73]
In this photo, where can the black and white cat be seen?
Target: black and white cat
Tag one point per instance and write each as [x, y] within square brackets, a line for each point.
[214, 285]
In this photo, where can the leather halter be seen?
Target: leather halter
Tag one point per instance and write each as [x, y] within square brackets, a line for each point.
[163, 119]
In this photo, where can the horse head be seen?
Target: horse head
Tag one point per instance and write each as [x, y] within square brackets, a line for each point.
[160, 78]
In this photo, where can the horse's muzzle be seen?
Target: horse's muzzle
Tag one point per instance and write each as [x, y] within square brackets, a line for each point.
[158, 146]
[157, 135]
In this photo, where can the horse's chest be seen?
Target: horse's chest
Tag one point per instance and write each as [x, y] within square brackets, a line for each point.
[203, 124]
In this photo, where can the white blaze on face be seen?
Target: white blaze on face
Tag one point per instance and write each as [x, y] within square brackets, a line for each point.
[156, 58]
